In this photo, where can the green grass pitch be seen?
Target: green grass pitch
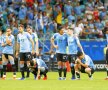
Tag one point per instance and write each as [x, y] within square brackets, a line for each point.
[98, 83]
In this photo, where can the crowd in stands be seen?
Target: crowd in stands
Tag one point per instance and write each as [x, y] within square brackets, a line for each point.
[88, 18]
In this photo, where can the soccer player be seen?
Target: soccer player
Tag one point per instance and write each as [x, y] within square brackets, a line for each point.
[8, 51]
[38, 68]
[35, 39]
[106, 31]
[84, 64]
[73, 44]
[23, 49]
[60, 45]
[1, 66]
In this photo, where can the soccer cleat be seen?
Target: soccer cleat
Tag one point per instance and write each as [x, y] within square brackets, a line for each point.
[106, 78]
[73, 78]
[77, 79]
[45, 78]
[60, 78]
[39, 77]
[91, 78]
[4, 77]
[14, 77]
[64, 78]
[22, 78]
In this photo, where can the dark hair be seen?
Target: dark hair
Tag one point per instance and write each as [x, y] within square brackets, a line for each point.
[60, 27]
[31, 63]
[79, 53]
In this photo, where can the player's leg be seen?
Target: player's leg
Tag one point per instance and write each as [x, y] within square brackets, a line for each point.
[59, 62]
[1, 67]
[72, 63]
[107, 63]
[88, 71]
[64, 65]
[22, 57]
[4, 62]
[12, 62]
[77, 72]
[44, 72]
[28, 58]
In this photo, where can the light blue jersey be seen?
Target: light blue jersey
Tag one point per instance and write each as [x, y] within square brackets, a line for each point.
[61, 41]
[1, 48]
[8, 49]
[107, 38]
[72, 44]
[24, 40]
[88, 61]
[41, 63]
[34, 37]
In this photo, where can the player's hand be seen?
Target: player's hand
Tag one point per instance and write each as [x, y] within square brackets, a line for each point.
[55, 46]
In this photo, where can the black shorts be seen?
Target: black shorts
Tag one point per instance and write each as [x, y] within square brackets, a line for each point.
[83, 70]
[61, 57]
[107, 56]
[25, 56]
[72, 58]
[6, 55]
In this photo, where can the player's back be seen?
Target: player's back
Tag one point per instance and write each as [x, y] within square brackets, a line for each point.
[72, 44]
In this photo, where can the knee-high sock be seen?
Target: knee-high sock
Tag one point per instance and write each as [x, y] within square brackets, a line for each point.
[65, 71]
[14, 69]
[60, 71]
[72, 71]
[4, 69]
[22, 70]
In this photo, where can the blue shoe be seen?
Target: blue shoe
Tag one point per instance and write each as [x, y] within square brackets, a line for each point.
[73, 78]
[22, 78]
[60, 78]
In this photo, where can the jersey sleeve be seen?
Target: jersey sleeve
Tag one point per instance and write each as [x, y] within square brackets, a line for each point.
[88, 59]
[18, 40]
[55, 35]
[28, 36]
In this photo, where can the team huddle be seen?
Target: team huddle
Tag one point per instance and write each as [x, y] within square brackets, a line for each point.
[66, 44]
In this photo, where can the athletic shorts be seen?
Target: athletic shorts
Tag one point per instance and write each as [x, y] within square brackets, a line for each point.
[6, 55]
[61, 57]
[107, 56]
[72, 58]
[83, 70]
[25, 56]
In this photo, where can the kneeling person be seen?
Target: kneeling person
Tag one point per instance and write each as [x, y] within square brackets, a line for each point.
[84, 64]
[38, 68]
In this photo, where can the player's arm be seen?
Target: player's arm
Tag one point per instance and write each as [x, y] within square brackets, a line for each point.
[79, 45]
[38, 73]
[31, 40]
[37, 45]
[17, 46]
[52, 43]
[78, 61]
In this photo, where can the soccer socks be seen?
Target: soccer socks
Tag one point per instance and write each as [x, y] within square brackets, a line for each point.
[65, 71]
[107, 71]
[73, 71]
[4, 69]
[1, 73]
[78, 75]
[28, 73]
[14, 69]
[60, 71]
